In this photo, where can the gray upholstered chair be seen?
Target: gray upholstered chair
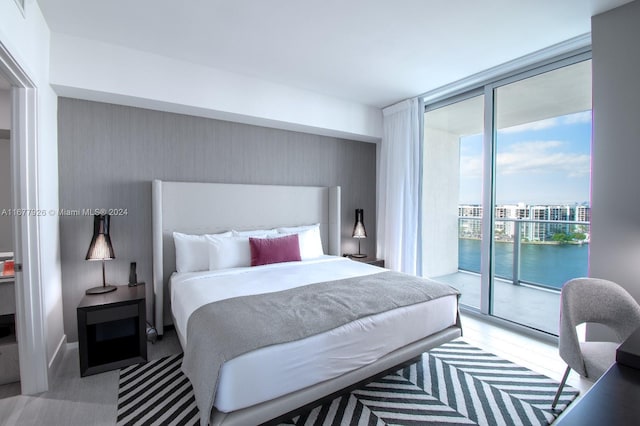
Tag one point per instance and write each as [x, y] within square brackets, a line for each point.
[599, 301]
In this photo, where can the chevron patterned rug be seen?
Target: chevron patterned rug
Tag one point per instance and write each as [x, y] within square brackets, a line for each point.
[454, 384]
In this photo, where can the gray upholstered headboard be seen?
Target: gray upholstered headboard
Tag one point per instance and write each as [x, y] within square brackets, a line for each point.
[207, 208]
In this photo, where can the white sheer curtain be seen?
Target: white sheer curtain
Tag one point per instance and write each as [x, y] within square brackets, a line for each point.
[399, 187]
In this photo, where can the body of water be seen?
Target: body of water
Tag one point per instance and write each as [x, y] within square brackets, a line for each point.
[546, 264]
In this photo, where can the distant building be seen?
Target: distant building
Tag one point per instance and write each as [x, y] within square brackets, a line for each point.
[470, 228]
[583, 214]
[530, 229]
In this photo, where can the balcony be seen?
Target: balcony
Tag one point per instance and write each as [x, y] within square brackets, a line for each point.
[529, 271]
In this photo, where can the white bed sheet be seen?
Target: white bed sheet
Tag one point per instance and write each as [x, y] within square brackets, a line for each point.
[244, 381]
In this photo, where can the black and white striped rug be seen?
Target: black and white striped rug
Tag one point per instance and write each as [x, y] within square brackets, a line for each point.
[454, 384]
[156, 393]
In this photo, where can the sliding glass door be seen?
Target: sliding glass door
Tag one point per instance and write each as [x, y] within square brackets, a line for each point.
[506, 184]
[542, 186]
[452, 194]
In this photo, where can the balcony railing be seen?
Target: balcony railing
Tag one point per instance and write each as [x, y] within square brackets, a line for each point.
[542, 238]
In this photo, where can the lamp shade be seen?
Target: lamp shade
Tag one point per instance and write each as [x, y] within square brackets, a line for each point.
[100, 247]
[358, 229]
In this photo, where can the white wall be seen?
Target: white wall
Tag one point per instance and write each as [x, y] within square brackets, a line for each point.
[26, 37]
[615, 223]
[92, 70]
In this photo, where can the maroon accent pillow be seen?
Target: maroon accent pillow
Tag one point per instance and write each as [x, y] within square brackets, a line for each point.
[274, 250]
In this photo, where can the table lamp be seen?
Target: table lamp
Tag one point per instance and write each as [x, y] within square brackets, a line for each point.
[101, 249]
[359, 232]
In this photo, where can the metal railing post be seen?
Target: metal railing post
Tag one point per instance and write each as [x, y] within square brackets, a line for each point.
[516, 252]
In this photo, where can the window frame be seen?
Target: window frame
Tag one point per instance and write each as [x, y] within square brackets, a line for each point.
[487, 83]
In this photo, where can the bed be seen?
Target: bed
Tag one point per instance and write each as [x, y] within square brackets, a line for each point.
[267, 382]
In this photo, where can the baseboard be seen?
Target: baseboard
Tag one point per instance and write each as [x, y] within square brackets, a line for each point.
[56, 360]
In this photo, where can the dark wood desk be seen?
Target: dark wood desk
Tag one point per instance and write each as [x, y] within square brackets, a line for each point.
[614, 399]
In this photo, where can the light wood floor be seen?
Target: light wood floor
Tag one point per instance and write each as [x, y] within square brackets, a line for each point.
[92, 400]
[537, 355]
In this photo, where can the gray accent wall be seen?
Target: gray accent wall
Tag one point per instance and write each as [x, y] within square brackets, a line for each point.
[109, 154]
[615, 224]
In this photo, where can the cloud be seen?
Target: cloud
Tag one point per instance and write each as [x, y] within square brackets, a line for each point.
[578, 118]
[471, 166]
[542, 157]
[529, 158]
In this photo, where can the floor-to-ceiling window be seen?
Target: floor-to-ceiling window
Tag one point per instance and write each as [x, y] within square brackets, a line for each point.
[452, 192]
[509, 166]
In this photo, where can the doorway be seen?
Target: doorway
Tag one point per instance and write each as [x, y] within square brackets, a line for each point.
[9, 363]
[29, 309]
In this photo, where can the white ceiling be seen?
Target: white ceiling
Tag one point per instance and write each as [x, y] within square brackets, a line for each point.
[375, 52]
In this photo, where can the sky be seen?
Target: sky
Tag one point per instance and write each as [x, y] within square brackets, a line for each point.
[543, 162]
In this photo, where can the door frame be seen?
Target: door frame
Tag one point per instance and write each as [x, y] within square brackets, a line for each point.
[30, 330]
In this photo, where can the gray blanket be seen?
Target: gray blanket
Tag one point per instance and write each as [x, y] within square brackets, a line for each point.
[223, 330]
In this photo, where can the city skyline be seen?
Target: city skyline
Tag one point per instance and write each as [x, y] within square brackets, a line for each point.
[570, 204]
[542, 162]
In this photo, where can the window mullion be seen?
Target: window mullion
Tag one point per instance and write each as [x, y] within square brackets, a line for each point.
[486, 259]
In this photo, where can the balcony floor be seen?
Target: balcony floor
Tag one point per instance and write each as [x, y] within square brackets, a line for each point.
[531, 306]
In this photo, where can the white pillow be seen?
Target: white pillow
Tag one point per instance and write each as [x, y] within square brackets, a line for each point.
[192, 251]
[296, 229]
[230, 252]
[308, 238]
[255, 233]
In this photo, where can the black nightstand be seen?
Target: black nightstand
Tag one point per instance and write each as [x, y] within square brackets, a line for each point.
[112, 330]
[370, 260]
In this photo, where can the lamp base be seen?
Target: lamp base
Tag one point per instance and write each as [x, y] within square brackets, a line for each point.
[358, 255]
[102, 289]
